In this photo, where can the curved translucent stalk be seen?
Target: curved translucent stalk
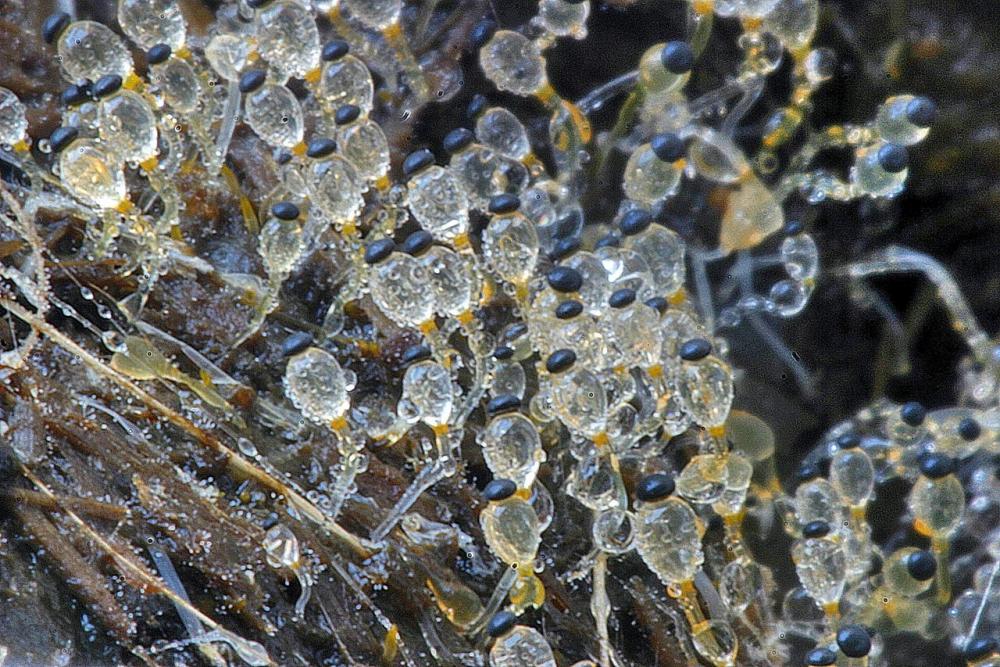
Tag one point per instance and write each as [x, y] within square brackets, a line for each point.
[229, 117]
[496, 600]
[899, 259]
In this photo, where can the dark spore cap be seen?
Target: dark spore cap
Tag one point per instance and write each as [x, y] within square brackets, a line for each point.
[482, 33]
[320, 147]
[667, 146]
[252, 80]
[503, 403]
[499, 489]
[379, 250]
[504, 203]
[335, 49]
[257, 4]
[564, 248]
[979, 648]
[820, 657]
[516, 330]
[501, 622]
[285, 210]
[347, 113]
[913, 413]
[53, 26]
[107, 84]
[457, 139]
[657, 303]
[560, 360]
[936, 466]
[295, 343]
[417, 160]
[695, 349]
[921, 111]
[622, 297]
[417, 242]
[476, 105]
[854, 641]
[283, 156]
[608, 241]
[893, 158]
[415, 353]
[635, 221]
[567, 310]
[564, 279]
[921, 565]
[793, 227]
[158, 54]
[568, 225]
[503, 353]
[74, 95]
[807, 472]
[677, 57]
[848, 441]
[815, 529]
[654, 487]
[62, 136]
[969, 429]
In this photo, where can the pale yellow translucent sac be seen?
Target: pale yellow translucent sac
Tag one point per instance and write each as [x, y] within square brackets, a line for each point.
[668, 538]
[318, 386]
[521, 647]
[744, 8]
[703, 479]
[280, 246]
[510, 247]
[451, 278]
[822, 568]
[439, 203]
[511, 530]
[281, 547]
[141, 360]
[648, 180]
[228, 54]
[893, 124]
[513, 63]
[500, 130]
[938, 505]
[716, 642]
[13, 121]
[512, 449]
[898, 578]
[399, 287]
[288, 39]
[274, 114]
[90, 50]
[427, 393]
[655, 78]
[868, 177]
[613, 531]
[663, 252]
[793, 22]
[345, 81]
[817, 500]
[715, 157]
[152, 22]
[128, 126]
[752, 214]
[580, 401]
[376, 14]
[707, 388]
[364, 144]
[336, 188]
[750, 436]
[852, 475]
[178, 83]
[564, 19]
[92, 173]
